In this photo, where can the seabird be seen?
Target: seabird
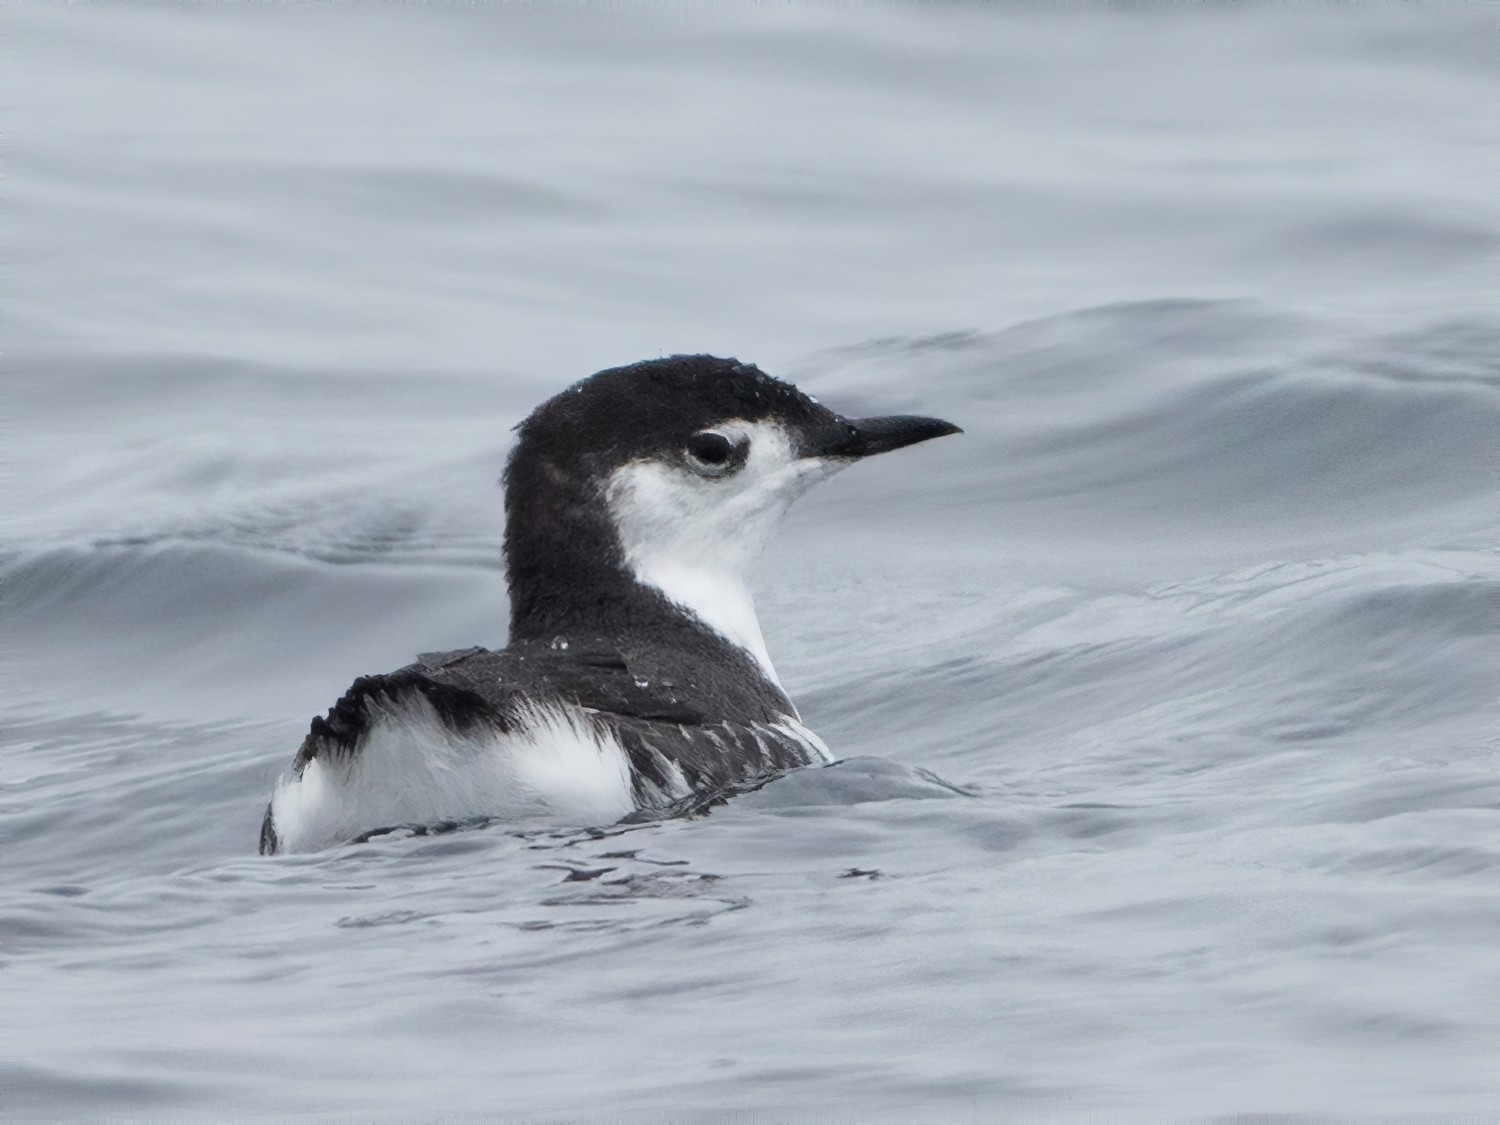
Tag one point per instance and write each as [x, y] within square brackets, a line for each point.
[636, 681]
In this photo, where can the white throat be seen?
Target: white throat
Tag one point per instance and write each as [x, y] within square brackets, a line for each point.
[694, 539]
[717, 597]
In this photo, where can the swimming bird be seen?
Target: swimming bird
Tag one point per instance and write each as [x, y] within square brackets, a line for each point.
[636, 680]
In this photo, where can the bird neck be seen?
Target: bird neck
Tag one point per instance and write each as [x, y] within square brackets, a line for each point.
[571, 578]
[716, 597]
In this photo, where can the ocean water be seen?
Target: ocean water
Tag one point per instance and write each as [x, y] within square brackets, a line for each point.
[1166, 692]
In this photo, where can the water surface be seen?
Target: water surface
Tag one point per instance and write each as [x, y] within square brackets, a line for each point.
[1198, 617]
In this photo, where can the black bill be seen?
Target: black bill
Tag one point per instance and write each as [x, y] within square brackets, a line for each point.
[865, 437]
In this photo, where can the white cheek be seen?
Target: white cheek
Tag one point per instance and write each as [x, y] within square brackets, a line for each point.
[741, 510]
[693, 538]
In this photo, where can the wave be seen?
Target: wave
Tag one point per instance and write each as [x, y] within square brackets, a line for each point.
[1377, 655]
[180, 629]
[1148, 418]
[1215, 412]
[330, 465]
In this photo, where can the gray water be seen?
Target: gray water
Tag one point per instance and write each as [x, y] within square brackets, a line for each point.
[1199, 614]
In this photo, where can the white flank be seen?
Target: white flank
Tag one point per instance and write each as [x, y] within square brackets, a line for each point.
[411, 769]
[695, 538]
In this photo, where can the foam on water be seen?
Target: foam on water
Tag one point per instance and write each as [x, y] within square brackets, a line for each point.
[1165, 695]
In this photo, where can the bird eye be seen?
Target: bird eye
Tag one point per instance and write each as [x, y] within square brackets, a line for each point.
[710, 454]
[710, 448]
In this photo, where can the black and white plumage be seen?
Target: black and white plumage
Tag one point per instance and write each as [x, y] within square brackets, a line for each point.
[636, 678]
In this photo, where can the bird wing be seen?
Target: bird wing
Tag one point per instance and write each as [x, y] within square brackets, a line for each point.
[677, 754]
